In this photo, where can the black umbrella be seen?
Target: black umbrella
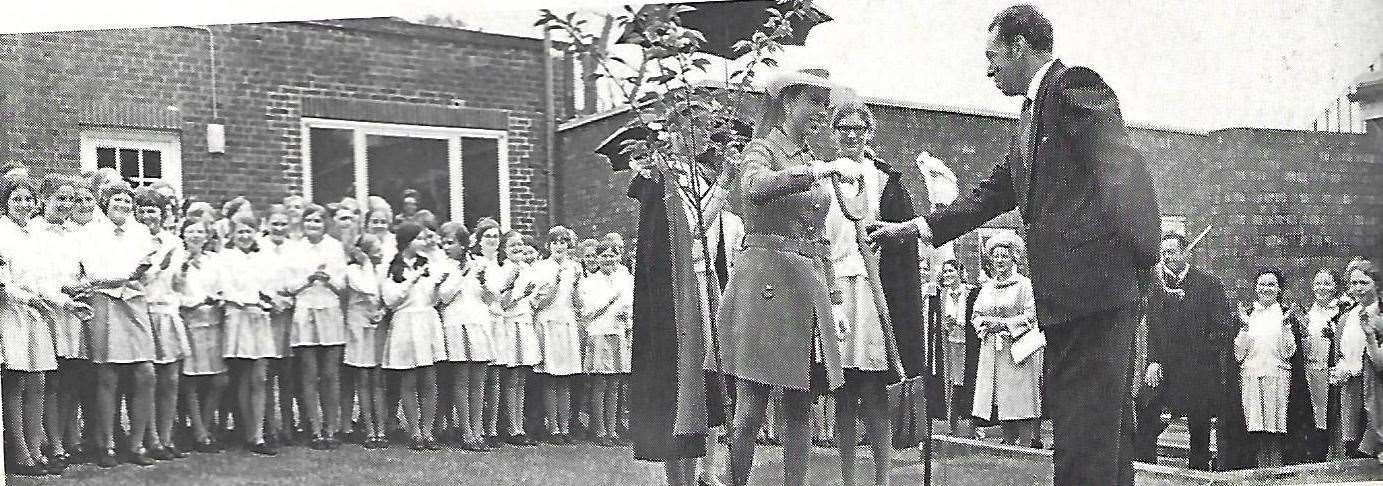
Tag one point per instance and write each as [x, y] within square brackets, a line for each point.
[731, 132]
[725, 23]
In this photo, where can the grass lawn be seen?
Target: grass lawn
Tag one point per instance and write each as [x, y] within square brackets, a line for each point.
[544, 465]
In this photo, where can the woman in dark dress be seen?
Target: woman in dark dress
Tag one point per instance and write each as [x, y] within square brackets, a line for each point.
[949, 310]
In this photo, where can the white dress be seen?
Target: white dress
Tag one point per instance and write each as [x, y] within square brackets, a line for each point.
[364, 337]
[1263, 351]
[522, 348]
[864, 345]
[414, 337]
[317, 316]
[28, 340]
[205, 332]
[560, 336]
[170, 332]
[279, 257]
[466, 321]
[605, 348]
[241, 279]
[60, 267]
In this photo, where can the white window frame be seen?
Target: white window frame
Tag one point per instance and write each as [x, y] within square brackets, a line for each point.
[452, 135]
[166, 142]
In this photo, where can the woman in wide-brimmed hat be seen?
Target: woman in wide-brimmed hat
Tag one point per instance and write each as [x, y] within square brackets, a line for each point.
[777, 326]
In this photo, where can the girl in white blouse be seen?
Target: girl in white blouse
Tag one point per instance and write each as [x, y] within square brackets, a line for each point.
[365, 336]
[1264, 346]
[169, 332]
[281, 393]
[57, 284]
[1364, 325]
[485, 248]
[516, 286]
[466, 334]
[1319, 343]
[605, 302]
[245, 282]
[204, 369]
[315, 277]
[28, 342]
[413, 344]
[115, 263]
[556, 317]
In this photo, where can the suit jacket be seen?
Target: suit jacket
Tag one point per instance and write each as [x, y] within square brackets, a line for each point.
[1187, 336]
[1087, 201]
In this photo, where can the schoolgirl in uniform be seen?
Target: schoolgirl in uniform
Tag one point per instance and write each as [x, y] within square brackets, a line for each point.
[83, 221]
[57, 283]
[346, 227]
[603, 302]
[520, 353]
[114, 264]
[245, 281]
[486, 246]
[413, 345]
[466, 327]
[169, 333]
[315, 277]
[377, 223]
[281, 386]
[626, 281]
[555, 314]
[204, 368]
[365, 336]
[28, 341]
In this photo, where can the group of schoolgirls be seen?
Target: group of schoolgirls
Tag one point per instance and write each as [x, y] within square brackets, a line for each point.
[125, 317]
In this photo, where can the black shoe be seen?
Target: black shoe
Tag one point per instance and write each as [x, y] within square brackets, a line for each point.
[32, 470]
[161, 454]
[177, 453]
[318, 443]
[206, 447]
[263, 448]
[140, 458]
[107, 460]
[418, 444]
[56, 465]
[606, 442]
[432, 445]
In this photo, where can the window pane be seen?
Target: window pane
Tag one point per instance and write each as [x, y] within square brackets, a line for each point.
[398, 163]
[129, 163]
[153, 164]
[105, 157]
[480, 178]
[333, 164]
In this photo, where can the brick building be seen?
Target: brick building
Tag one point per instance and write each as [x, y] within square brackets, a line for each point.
[322, 108]
[1297, 200]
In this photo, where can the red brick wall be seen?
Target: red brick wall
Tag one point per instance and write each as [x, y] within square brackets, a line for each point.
[1262, 189]
[263, 72]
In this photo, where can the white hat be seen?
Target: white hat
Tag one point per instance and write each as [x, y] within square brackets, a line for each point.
[807, 77]
[1011, 240]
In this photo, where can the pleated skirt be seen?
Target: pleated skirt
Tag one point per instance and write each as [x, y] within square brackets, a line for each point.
[205, 342]
[561, 348]
[120, 331]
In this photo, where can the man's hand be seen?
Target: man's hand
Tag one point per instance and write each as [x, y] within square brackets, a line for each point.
[1154, 376]
[897, 232]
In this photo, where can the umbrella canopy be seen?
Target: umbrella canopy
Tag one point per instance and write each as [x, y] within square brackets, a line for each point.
[725, 23]
[730, 132]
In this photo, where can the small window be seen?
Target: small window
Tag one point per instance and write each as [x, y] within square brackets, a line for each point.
[141, 156]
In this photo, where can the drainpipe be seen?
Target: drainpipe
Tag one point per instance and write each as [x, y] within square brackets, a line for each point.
[550, 126]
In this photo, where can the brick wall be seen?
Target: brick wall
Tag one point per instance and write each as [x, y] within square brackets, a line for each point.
[1295, 200]
[48, 81]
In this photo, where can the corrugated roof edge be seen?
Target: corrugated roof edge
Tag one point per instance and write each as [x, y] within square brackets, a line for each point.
[957, 109]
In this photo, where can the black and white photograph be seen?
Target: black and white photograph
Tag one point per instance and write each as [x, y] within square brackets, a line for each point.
[704, 243]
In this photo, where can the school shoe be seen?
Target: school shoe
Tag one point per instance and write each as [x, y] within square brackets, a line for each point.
[107, 459]
[263, 448]
[418, 444]
[318, 443]
[605, 442]
[31, 470]
[140, 458]
[432, 444]
[56, 465]
[493, 442]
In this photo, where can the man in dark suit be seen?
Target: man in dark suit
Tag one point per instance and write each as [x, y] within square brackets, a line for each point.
[1190, 326]
[1092, 227]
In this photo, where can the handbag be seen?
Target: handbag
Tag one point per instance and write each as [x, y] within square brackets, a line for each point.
[1027, 344]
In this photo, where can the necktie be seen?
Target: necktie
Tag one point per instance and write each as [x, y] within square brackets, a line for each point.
[1026, 131]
